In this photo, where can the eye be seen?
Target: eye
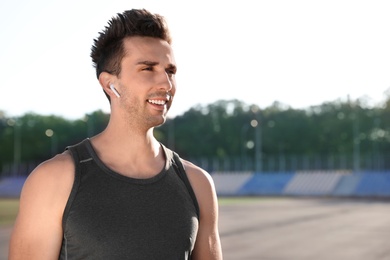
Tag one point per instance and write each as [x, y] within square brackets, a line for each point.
[171, 71]
[149, 68]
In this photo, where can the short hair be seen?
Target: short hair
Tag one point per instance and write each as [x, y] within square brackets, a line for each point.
[108, 51]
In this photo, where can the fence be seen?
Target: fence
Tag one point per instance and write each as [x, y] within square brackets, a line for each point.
[280, 163]
[288, 163]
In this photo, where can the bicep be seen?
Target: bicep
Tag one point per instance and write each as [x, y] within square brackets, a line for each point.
[34, 237]
[37, 231]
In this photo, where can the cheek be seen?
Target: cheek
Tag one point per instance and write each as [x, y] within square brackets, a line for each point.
[173, 89]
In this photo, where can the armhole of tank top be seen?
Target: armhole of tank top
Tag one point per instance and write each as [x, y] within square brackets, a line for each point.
[183, 176]
[73, 151]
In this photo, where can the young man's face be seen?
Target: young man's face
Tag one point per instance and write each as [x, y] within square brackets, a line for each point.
[147, 79]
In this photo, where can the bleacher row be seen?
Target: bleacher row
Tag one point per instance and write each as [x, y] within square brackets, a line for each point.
[335, 183]
[331, 183]
[11, 186]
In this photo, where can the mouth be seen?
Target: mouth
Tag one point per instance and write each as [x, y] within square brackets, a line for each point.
[159, 102]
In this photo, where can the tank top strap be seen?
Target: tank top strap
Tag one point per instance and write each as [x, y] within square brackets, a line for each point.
[179, 169]
[80, 151]
[80, 155]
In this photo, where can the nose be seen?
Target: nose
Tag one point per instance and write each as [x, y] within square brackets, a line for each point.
[166, 82]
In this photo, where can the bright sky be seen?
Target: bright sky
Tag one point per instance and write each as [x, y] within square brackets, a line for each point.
[300, 52]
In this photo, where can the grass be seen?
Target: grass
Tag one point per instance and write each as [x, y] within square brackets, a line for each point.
[8, 211]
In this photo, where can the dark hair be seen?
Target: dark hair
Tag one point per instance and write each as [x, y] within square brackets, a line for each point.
[107, 51]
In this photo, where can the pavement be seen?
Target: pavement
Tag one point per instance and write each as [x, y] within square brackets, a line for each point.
[306, 229]
[297, 229]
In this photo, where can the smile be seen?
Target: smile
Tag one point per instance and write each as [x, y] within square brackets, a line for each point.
[157, 102]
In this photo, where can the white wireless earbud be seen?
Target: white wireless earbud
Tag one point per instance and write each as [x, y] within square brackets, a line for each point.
[114, 90]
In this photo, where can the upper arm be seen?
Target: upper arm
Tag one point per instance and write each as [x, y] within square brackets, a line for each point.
[37, 231]
[207, 245]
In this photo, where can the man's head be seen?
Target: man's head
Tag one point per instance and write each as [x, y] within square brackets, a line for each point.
[108, 51]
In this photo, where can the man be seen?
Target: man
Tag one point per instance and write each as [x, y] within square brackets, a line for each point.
[121, 194]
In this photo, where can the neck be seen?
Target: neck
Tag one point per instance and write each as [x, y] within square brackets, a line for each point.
[132, 155]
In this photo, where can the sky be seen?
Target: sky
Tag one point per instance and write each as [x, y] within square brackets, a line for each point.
[300, 53]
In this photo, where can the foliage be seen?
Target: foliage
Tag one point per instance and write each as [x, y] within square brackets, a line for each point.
[222, 129]
[34, 138]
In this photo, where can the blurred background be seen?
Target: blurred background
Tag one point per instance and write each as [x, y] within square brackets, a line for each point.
[266, 88]
[275, 98]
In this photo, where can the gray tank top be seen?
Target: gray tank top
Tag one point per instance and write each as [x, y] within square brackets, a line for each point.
[109, 216]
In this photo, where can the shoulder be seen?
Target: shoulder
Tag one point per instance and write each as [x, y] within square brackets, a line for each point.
[198, 176]
[51, 180]
[54, 170]
[203, 185]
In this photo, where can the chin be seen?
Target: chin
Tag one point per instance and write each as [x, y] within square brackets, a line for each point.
[157, 121]
[164, 119]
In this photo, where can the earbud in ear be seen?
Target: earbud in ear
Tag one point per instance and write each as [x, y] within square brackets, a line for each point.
[114, 90]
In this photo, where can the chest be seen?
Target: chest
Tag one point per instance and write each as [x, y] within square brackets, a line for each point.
[112, 219]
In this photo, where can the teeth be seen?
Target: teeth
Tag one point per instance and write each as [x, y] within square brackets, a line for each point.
[157, 102]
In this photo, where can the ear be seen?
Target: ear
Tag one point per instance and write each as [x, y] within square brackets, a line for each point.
[105, 79]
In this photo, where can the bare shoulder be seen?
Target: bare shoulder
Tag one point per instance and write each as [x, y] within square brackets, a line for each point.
[200, 179]
[203, 185]
[55, 175]
[48, 185]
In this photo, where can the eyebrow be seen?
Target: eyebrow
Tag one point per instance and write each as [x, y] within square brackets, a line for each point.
[154, 63]
[146, 62]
